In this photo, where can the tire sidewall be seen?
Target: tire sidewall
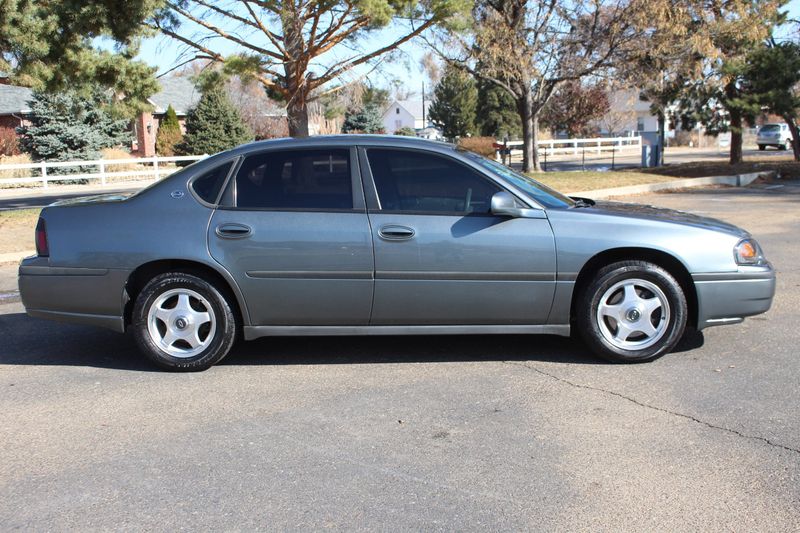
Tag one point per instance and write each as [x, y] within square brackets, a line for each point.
[224, 334]
[605, 279]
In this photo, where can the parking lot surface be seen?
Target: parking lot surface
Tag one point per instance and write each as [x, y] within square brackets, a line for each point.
[415, 433]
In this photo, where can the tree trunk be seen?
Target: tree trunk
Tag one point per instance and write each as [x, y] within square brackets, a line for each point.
[528, 147]
[662, 122]
[736, 124]
[795, 135]
[736, 136]
[297, 116]
[535, 119]
[297, 90]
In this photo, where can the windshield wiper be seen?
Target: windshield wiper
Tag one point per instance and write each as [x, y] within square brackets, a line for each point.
[583, 202]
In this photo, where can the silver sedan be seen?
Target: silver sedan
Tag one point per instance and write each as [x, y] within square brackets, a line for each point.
[373, 235]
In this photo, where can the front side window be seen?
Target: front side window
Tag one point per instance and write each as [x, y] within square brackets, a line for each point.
[409, 181]
[301, 179]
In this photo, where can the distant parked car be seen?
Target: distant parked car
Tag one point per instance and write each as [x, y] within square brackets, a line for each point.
[777, 135]
[382, 235]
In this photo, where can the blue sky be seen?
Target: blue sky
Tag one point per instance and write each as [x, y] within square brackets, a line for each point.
[403, 66]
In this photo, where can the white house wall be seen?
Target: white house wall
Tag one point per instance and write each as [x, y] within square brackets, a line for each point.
[397, 117]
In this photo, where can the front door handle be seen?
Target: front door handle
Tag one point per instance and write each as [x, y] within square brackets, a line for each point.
[394, 232]
[233, 231]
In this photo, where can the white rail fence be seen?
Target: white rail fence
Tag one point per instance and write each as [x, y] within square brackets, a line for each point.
[596, 145]
[147, 168]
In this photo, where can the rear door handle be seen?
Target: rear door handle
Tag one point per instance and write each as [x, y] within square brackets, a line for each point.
[394, 232]
[233, 231]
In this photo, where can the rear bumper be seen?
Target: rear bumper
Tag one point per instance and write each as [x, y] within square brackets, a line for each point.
[729, 297]
[79, 295]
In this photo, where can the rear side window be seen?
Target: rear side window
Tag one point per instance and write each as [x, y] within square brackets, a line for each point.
[409, 181]
[302, 179]
[208, 185]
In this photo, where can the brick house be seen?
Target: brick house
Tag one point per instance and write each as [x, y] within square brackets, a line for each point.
[13, 108]
[176, 91]
[179, 92]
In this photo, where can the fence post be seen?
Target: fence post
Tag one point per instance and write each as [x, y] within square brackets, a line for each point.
[155, 168]
[44, 176]
[574, 147]
[102, 172]
[598, 147]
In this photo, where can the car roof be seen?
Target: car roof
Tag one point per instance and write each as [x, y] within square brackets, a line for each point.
[345, 140]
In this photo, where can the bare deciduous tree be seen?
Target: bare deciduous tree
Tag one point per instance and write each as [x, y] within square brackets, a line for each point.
[531, 48]
[295, 48]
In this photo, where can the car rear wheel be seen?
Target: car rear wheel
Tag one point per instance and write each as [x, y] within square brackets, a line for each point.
[632, 312]
[182, 322]
[762, 147]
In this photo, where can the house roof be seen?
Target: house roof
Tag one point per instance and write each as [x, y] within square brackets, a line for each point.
[412, 106]
[176, 91]
[14, 99]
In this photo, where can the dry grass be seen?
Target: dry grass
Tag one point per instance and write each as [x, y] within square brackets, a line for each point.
[587, 181]
[17, 230]
[21, 159]
[480, 145]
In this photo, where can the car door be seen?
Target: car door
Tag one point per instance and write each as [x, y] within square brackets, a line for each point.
[295, 236]
[441, 257]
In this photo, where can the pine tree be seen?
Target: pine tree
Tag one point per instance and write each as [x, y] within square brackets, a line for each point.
[366, 119]
[67, 127]
[499, 116]
[455, 101]
[169, 133]
[214, 125]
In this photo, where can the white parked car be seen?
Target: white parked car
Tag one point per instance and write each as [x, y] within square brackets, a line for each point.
[777, 135]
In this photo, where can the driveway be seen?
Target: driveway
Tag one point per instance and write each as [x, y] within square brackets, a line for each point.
[415, 433]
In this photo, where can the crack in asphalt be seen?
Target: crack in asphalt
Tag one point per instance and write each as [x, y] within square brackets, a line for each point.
[654, 407]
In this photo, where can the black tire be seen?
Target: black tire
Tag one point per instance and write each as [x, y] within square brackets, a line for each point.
[668, 321]
[762, 147]
[215, 342]
[781, 147]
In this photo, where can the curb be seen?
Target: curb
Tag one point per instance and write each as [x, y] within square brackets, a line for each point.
[736, 180]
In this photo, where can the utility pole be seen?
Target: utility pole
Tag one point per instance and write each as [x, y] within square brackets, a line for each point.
[424, 124]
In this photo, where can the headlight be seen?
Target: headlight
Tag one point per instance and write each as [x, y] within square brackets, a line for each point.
[747, 252]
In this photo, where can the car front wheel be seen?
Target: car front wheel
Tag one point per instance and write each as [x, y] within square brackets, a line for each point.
[631, 312]
[182, 322]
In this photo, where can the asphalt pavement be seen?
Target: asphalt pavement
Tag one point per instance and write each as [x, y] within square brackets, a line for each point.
[415, 433]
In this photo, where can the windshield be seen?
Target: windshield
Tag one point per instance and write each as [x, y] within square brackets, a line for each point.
[771, 128]
[543, 194]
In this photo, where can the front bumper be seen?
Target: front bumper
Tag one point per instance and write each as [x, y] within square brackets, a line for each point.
[729, 297]
[80, 295]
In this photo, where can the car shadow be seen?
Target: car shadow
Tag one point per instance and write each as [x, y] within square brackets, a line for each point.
[34, 342]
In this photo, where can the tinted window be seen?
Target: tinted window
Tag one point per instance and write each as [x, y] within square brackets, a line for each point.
[416, 181]
[308, 179]
[209, 184]
[543, 194]
[771, 128]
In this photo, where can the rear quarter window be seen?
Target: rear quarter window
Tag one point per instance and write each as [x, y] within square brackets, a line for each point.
[208, 185]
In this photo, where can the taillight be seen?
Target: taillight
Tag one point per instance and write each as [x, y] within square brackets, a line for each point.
[42, 250]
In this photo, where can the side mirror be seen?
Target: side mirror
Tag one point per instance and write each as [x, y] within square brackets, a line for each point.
[504, 204]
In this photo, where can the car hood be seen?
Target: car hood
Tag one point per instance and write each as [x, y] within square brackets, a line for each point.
[649, 212]
[96, 199]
